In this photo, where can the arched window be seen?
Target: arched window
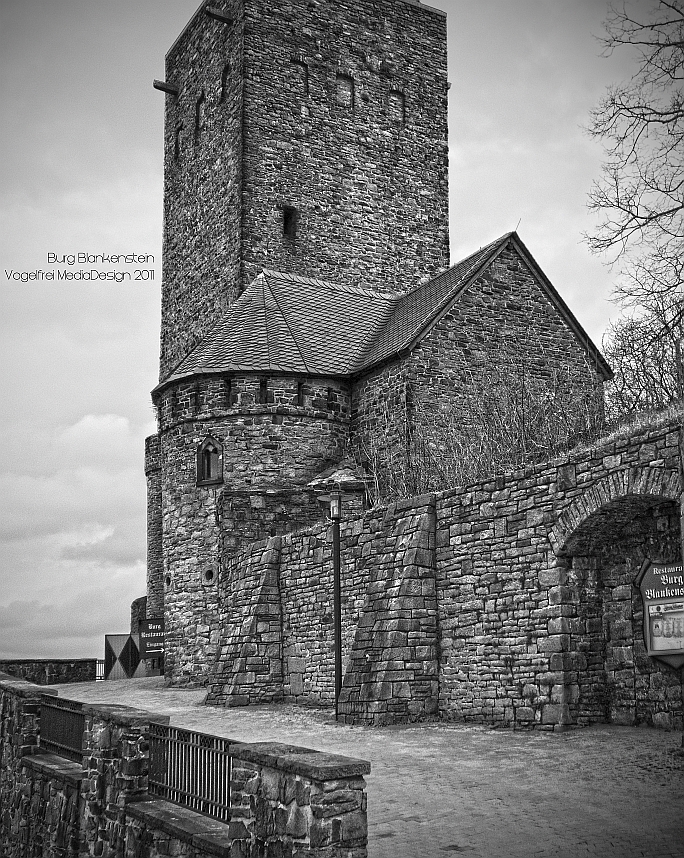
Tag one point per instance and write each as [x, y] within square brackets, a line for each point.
[209, 462]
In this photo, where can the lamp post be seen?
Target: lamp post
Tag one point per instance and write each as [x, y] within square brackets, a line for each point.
[335, 515]
[332, 504]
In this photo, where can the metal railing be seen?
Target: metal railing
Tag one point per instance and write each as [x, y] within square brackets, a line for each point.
[191, 769]
[61, 727]
[99, 670]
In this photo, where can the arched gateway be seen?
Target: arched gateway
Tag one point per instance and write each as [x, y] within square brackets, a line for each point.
[540, 623]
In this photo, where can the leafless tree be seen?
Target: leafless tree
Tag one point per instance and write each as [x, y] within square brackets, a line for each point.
[644, 350]
[640, 196]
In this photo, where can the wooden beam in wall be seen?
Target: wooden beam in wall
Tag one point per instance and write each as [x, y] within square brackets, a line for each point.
[165, 87]
[217, 15]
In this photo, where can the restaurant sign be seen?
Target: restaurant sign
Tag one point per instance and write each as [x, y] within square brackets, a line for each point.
[662, 591]
[152, 638]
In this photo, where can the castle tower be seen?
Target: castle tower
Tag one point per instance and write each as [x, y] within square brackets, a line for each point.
[308, 138]
[304, 136]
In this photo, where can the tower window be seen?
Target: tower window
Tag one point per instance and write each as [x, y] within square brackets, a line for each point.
[345, 91]
[199, 117]
[300, 393]
[290, 218]
[177, 143]
[228, 394]
[263, 391]
[397, 106]
[209, 462]
[301, 71]
[225, 74]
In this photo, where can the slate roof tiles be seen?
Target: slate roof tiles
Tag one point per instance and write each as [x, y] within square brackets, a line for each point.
[283, 323]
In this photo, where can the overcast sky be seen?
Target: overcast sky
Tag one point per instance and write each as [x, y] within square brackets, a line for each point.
[81, 171]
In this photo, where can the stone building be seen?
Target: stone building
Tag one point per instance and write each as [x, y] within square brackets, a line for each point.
[306, 295]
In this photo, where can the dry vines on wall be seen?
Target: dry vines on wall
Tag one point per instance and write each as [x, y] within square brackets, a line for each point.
[509, 414]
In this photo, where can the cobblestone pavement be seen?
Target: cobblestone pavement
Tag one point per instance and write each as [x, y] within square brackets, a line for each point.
[436, 789]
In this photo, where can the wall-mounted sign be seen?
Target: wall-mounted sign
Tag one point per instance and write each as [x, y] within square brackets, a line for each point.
[152, 637]
[662, 591]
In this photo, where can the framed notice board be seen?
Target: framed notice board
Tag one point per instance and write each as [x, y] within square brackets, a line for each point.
[662, 591]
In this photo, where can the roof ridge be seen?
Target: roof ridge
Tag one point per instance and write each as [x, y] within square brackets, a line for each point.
[283, 315]
[484, 248]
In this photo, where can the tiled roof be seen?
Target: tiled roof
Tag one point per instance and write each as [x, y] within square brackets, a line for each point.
[283, 323]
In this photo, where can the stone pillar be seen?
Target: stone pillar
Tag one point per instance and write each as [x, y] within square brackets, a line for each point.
[155, 559]
[561, 679]
[116, 764]
[291, 800]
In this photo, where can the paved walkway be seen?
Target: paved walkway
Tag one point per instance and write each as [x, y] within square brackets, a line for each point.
[442, 788]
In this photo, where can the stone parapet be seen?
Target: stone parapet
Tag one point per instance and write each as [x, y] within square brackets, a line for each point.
[51, 671]
[283, 800]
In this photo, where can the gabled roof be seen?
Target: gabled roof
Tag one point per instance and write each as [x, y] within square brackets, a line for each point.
[283, 323]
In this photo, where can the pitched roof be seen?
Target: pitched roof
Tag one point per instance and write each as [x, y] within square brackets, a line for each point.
[283, 323]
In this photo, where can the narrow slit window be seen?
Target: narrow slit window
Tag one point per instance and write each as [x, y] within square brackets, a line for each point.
[225, 75]
[177, 142]
[290, 219]
[227, 391]
[345, 91]
[199, 117]
[300, 393]
[397, 106]
[331, 398]
[263, 391]
[301, 70]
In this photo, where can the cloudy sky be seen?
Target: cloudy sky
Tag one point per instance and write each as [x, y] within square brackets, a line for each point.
[81, 171]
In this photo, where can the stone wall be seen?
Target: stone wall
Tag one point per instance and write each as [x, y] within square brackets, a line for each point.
[283, 799]
[155, 548]
[539, 624]
[52, 671]
[507, 601]
[203, 145]
[344, 104]
[502, 368]
[323, 108]
[277, 618]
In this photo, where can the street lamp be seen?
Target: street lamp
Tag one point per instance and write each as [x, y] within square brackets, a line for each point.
[334, 501]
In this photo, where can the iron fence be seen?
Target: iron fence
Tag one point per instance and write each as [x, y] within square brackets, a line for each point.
[61, 727]
[100, 670]
[191, 769]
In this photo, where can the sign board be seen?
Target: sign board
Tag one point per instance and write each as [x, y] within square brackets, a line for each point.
[662, 591]
[152, 637]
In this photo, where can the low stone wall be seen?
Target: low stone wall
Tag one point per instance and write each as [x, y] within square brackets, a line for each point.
[284, 800]
[52, 671]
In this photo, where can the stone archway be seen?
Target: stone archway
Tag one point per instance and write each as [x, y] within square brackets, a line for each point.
[645, 481]
[602, 539]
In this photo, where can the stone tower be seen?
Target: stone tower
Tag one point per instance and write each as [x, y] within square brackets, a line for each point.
[305, 136]
[308, 138]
